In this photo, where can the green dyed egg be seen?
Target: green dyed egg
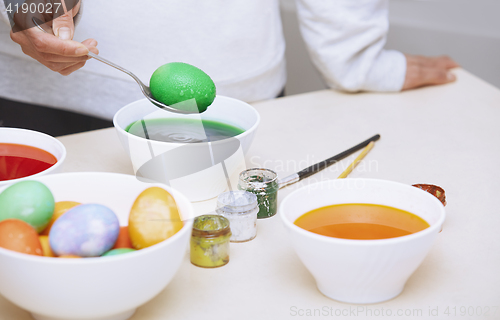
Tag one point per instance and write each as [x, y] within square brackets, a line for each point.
[176, 82]
[118, 251]
[29, 201]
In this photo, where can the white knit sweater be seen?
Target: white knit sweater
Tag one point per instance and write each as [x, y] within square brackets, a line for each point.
[239, 43]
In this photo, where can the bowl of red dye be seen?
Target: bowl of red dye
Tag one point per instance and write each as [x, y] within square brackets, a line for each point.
[27, 153]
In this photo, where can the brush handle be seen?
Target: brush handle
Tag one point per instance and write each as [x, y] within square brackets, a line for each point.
[302, 174]
[356, 161]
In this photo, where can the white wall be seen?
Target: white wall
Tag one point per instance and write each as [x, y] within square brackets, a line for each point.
[466, 30]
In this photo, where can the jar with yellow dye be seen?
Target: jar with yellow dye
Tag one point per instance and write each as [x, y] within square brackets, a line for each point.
[210, 241]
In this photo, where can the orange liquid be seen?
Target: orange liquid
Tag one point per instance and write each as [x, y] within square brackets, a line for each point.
[359, 221]
[18, 161]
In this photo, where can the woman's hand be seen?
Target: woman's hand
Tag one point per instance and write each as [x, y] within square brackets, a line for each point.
[57, 52]
[424, 71]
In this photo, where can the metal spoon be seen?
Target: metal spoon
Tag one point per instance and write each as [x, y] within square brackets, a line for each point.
[144, 88]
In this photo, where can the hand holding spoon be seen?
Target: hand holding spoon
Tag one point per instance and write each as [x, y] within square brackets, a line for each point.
[144, 88]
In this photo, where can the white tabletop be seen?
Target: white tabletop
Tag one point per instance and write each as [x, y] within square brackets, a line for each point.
[447, 135]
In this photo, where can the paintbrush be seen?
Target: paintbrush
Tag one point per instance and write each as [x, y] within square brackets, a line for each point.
[296, 177]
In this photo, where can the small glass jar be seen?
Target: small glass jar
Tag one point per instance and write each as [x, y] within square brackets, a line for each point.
[210, 241]
[240, 208]
[264, 184]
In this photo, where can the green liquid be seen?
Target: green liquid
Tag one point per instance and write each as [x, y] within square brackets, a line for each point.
[179, 130]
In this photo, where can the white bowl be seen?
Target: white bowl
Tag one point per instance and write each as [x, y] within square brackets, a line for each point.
[35, 139]
[362, 271]
[105, 288]
[188, 174]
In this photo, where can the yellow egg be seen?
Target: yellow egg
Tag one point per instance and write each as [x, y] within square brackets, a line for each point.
[153, 218]
[47, 251]
[59, 209]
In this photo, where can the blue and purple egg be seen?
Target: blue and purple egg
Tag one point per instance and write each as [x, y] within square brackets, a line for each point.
[87, 230]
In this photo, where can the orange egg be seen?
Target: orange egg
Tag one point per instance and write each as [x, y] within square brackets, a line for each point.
[17, 235]
[47, 251]
[60, 208]
[69, 256]
[123, 240]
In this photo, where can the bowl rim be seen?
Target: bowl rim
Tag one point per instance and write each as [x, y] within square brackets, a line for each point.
[96, 260]
[56, 165]
[358, 242]
[129, 135]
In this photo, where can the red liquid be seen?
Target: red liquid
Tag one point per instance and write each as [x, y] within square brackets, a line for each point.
[18, 161]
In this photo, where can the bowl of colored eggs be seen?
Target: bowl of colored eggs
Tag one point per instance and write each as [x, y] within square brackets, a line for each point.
[194, 153]
[27, 153]
[361, 239]
[89, 245]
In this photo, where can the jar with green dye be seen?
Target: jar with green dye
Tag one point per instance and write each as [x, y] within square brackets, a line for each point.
[210, 241]
[264, 184]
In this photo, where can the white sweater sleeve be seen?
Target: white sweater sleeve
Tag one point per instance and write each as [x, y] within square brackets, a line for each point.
[346, 41]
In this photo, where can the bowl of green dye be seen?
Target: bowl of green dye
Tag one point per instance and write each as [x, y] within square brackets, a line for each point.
[196, 153]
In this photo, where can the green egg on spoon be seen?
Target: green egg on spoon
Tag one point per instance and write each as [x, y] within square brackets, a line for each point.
[175, 84]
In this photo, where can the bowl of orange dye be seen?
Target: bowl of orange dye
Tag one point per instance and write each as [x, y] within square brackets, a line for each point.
[361, 239]
[26, 153]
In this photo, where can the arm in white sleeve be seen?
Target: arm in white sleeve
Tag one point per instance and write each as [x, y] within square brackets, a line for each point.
[346, 41]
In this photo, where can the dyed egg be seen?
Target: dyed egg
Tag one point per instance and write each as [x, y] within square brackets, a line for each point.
[59, 209]
[176, 82]
[47, 251]
[118, 251]
[17, 235]
[153, 218]
[30, 201]
[123, 240]
[69, 256]
[87, 230]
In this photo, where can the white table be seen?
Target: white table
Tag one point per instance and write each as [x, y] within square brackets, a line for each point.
[447, 135]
